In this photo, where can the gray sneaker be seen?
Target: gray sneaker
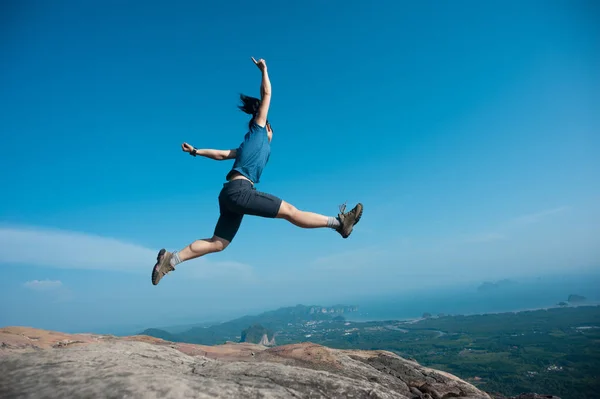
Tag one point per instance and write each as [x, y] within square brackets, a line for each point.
[162, 266]
[348, 220]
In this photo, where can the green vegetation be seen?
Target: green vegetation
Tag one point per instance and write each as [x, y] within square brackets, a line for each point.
[554, 351]
[272, 320]
[155, 332]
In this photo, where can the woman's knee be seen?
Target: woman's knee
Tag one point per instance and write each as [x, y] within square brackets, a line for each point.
[218, 243]
[287, 211]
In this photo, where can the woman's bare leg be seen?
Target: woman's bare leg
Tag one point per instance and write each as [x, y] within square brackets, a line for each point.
[166, 261]
[202, 247]
[307, 220]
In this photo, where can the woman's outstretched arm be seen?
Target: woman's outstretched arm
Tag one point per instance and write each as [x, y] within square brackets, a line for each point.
[218, 155]
[265, 93]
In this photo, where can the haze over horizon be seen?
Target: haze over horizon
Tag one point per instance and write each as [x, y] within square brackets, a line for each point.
[468, 133]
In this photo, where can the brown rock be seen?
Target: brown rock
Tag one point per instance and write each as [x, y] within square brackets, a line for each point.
[45, 364]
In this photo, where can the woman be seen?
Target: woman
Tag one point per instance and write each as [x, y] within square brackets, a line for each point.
[239, 197]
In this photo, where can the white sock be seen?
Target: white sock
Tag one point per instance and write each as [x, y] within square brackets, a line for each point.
[333, 222]
[175, 259]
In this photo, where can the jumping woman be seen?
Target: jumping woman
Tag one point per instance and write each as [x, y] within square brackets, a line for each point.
[239, 196]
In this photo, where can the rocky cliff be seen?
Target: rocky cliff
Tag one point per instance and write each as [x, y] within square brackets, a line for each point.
[340, 309]
[45, 364]
[256, 334]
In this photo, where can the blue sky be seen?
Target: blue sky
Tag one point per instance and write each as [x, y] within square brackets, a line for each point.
[469, 130]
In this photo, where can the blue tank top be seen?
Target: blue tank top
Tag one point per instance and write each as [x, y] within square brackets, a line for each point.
[252, 154]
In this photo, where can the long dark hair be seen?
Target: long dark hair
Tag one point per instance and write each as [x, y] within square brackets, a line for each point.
[250, 105]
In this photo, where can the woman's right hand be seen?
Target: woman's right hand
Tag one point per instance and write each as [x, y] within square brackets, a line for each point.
[187, 148]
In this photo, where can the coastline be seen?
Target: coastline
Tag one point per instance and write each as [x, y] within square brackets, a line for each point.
[413, 320]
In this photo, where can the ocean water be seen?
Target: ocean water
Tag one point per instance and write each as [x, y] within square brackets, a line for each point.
[515, 295]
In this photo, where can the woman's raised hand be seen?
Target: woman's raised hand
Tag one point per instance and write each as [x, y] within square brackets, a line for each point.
[261, 64]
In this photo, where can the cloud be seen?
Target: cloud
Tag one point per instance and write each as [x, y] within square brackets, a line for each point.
[502, 232]
[51, 290]
[205, 269]
[76, 250]
[352, 259]
[71, 250]
[485, 237]
[43, 285]
[518, 247]
[539, 216]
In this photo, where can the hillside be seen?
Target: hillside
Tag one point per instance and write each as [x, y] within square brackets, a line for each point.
[38, 363]
[271, 320]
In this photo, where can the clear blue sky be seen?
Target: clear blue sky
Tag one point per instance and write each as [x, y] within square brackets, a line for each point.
[469, 130]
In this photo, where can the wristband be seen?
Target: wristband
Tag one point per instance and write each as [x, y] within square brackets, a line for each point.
[193, 152]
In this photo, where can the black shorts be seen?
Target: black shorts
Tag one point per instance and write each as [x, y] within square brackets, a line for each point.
[238, 198]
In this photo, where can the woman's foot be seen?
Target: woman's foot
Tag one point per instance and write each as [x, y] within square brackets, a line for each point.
[348, 220]
[162, 266]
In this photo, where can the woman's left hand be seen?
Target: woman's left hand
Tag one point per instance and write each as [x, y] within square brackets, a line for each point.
[261, 64]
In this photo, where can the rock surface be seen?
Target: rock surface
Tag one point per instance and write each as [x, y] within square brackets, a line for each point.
[43, 364]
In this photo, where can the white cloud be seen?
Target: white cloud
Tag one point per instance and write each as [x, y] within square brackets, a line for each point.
[43, 285]
[76, 250]
[485, 237]
[351, 259]
[205, 269]
[519, 247]
[71, 250]
[52, 290]
[539, 216]
[502, 231]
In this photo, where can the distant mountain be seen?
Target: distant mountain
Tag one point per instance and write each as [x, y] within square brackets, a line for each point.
[488, 286]
[576, 298]
[176, 329]
[155, 332]
[271, 320]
